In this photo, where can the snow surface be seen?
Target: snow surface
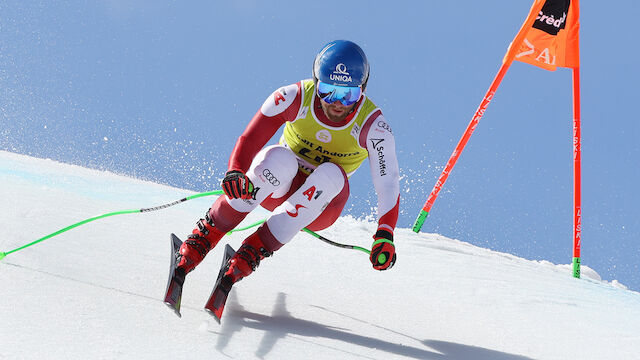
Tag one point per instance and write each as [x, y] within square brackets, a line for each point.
[95, 292]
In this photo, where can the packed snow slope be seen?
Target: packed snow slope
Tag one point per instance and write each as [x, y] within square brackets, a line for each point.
[95, 292]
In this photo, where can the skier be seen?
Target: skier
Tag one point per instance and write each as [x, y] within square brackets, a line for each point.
[330, 128]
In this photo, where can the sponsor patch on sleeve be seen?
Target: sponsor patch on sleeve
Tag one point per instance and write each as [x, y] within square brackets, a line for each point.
[279, 101]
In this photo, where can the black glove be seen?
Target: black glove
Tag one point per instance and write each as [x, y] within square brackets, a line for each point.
[383, 252]
[236, 185]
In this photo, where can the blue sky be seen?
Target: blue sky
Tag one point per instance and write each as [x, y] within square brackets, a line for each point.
[160, 90]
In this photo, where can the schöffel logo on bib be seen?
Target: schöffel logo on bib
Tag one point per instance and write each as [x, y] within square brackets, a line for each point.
[553, 17]
[340, 74]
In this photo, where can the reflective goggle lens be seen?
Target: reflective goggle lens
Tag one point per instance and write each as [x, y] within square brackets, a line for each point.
[347, 95]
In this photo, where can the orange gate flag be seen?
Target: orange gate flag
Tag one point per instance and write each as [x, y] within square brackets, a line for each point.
[552, 40]
[547, 39]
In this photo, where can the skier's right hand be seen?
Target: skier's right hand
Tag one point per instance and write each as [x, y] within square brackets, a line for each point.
[236, 185]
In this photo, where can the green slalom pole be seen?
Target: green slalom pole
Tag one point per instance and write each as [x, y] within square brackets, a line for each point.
[417, 225]
[216, 192]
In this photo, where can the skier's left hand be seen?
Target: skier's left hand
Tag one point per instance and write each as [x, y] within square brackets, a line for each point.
[383, 252]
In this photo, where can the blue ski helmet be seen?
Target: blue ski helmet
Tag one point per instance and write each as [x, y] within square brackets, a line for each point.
[342, 63]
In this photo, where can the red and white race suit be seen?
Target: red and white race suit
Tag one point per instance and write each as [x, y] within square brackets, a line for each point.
[304, 178]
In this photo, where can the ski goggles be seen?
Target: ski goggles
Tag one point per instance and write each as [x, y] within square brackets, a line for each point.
[347, 95]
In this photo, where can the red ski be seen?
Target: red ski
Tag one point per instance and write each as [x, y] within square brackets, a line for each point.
[173, 294]
[218, 298]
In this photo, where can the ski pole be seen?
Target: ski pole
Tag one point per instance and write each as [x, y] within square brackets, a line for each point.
[160, 207]
[311, 232]
[216, 192]
[344, 246]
